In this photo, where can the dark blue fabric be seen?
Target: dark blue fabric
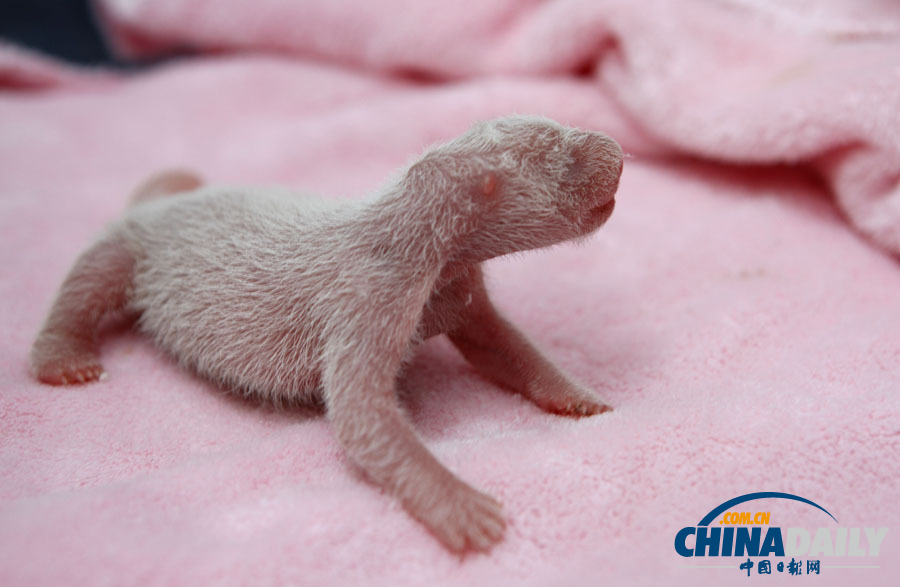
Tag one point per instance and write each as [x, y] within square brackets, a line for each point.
[62, 28]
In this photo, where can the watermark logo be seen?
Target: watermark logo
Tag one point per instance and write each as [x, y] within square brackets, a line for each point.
[745, 534]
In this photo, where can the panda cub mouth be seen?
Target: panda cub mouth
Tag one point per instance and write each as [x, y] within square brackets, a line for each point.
[599, 214]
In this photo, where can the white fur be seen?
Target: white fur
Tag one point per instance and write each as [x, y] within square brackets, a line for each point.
[296, 299]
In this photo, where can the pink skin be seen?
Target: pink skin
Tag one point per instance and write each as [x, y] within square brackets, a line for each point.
[504, 355]
[65, 351]
[398, 271]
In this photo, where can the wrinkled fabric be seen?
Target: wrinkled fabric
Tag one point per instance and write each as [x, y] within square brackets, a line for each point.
[744, 331]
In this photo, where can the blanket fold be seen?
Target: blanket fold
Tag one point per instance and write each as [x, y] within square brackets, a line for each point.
[739, 81]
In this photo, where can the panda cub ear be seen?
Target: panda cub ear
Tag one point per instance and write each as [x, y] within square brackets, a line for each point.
[489, 185]
[487, 189]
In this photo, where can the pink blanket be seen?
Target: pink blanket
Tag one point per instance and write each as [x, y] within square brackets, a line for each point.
[739, 310]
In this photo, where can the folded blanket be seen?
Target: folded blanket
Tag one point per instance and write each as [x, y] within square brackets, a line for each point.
[746, 338]
[811, 83]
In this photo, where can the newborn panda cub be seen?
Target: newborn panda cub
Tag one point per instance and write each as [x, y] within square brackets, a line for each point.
[292, 299]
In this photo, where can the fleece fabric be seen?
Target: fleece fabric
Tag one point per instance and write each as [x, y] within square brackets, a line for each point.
[739, 310]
